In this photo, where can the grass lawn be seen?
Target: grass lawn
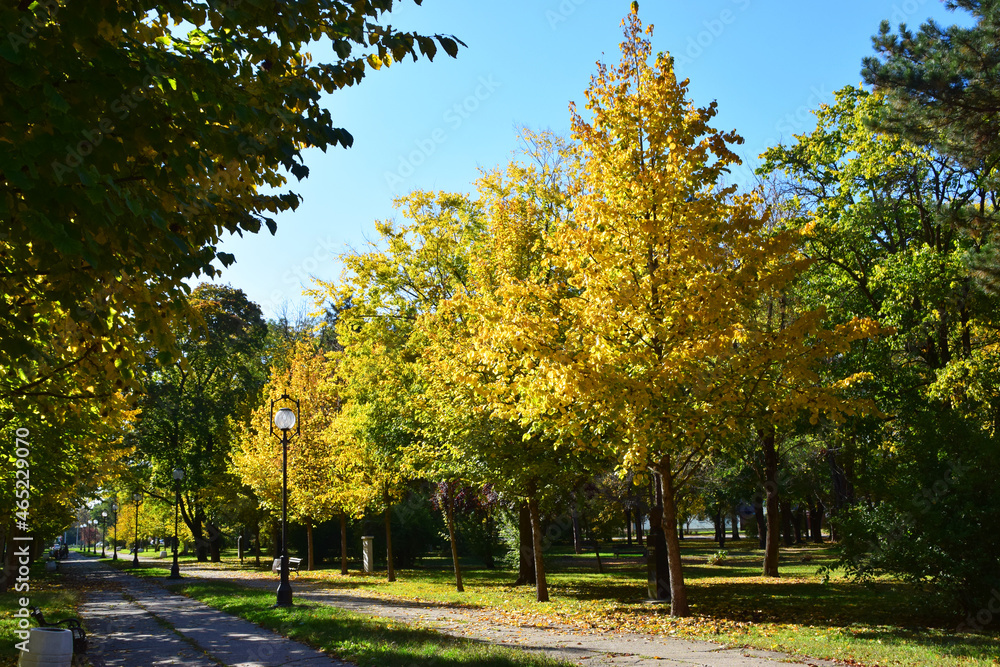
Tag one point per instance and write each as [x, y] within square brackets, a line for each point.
[887, 623]
[48, 594]
[369, 642]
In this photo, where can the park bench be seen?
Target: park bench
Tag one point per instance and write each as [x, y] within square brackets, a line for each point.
[623, 550]
[72, 624]
[293, 565]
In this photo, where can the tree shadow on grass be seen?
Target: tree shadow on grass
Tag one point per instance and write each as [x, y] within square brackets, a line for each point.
[965, 645]
[368, 642]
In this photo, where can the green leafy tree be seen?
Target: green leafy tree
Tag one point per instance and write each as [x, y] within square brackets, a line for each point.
[136, 135]
[321, 484]
[940, 83]
[190, 409]
[880, 214]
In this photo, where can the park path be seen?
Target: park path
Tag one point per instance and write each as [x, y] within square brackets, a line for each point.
[134, 622]
[562, 642]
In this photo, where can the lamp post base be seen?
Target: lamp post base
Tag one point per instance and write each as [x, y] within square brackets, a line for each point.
[284, 595]
[175, 570]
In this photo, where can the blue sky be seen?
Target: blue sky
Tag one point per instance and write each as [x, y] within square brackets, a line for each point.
[433, 126]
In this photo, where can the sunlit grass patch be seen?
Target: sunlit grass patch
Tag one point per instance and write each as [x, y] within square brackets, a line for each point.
[46, 592]
[354, 637]
[885, 623]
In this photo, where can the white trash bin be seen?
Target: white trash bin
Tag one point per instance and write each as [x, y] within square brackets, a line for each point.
[48, 647]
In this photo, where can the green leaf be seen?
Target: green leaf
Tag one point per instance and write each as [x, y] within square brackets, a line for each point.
[55, 99]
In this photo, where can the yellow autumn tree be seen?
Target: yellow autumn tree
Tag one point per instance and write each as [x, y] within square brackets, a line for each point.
[642, 340]
[321, 472]
[485, 364]
[384, 292]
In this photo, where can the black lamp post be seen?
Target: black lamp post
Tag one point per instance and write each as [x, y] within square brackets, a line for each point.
[114, 508]
[104, 534]
[135, 554]
[175, 570]
[93, 545]
[284, 419]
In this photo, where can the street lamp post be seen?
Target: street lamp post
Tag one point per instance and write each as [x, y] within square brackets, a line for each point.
[92, 545]
[114, 508]
[104, 535]
[175, 570]
[284, 419]
[135, 554]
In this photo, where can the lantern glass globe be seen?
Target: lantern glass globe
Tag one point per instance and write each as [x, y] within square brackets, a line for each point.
[178, 474]
[284, 419]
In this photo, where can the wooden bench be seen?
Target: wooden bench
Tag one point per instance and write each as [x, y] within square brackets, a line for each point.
[620, 551]
[293, 565]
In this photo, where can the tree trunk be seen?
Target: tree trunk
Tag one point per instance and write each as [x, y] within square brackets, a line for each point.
[542, 591]
[721, 523]
[798, 517]
[9, 572]
[842, 491]
[310, 563]
[786, 522]
[597, 553]
[736, 525]
[816, 523]
[773, 509]
[657, 543]
[679, 529]
[388, 539]
[196, 525]
[449, 514]
[628, 527]
[638, 525]
[214, 542]
[257, 541]
[758, 510]
[577, 539]
[343, 543]
[526, 552]
[488, 560]
[678, 594]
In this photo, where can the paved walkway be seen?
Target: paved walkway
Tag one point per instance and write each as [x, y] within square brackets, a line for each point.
[590, 649]
[137, 623]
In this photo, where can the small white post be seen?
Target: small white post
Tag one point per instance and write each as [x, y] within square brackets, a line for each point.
[368, 551]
